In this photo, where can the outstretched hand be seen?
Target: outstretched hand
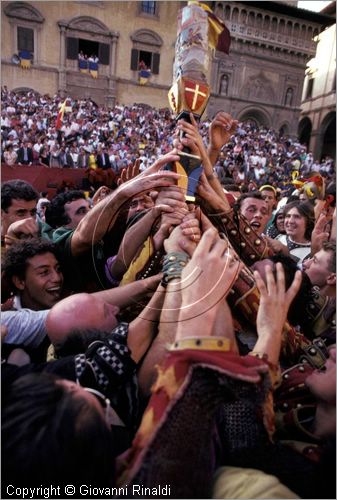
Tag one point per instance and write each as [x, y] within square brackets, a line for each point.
[274, 305]
[152, 178]
[319, 234]
[129, 172]
[221, 129]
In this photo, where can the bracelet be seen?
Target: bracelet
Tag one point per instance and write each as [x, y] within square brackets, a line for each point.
[173, 265]
[202, 343]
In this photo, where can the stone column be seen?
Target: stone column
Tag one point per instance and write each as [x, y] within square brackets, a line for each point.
[112, 92]
[62, 68]
[63, 45]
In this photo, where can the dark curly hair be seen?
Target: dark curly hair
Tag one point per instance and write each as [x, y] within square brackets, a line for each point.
[16, 190]
[55, 213]
[15, 260]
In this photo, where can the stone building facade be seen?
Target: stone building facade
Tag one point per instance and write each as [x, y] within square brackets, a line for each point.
[120, 33]
[317, 126]
[261, 79]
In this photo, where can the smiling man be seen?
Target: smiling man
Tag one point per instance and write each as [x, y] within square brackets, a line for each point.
[33, 272]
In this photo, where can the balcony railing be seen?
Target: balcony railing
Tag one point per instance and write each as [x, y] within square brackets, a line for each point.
[245, 32]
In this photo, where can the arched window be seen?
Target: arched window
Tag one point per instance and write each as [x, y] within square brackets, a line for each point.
[266, 23]
[284, 130]
[146, 48]
[235, 15]
[289, 28]
[259, 20]
[219, 10]
[310, 88]
[251, 18]
[281, 26]
[90, 37]
[243, 16]
[224, 85]
[304, 131]
[289, 97]
[26, 22]
[227, 13]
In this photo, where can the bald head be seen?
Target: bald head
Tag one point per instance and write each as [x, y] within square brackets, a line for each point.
[79, 311]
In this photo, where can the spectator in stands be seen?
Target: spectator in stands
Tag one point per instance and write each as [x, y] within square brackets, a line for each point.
[18, 201]
[10, 156]
[25, 154]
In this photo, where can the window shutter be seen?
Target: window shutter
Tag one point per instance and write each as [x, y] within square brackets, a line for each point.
[134, 59]
[25, 39]
[155, 63]
[104, 53]
[72, 48]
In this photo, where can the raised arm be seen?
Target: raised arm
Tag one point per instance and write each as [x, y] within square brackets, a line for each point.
[220, 131]
[143, 329]
[178, 247]
[98, 221]
[126, 295]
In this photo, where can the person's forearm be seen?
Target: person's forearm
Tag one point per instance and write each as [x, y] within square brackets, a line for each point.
[269, 344]
[193, 323]
[132, 241]
[97, 222]
[143, 329]
[213, 154]
[223, 324]
[129, 294]
[208, 164]
[216, 186]
[167, 329]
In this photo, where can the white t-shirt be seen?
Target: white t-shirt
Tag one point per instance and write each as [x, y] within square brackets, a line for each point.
[25, 327]
[298, 250]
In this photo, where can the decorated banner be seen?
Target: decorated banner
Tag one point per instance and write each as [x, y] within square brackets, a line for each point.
[83, 65]
[59, 119]
[144, 76]
[198, 31]
[25, 59]
[93, 66]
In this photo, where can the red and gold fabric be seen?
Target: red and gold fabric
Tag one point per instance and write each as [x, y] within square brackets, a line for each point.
[173, 379]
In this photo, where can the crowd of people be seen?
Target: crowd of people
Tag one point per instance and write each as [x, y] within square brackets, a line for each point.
[159, 345]
[115, 138]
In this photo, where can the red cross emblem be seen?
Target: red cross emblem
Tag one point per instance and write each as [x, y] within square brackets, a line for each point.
[196, 93]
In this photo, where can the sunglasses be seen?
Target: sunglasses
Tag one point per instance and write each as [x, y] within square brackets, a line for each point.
[110, 415]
